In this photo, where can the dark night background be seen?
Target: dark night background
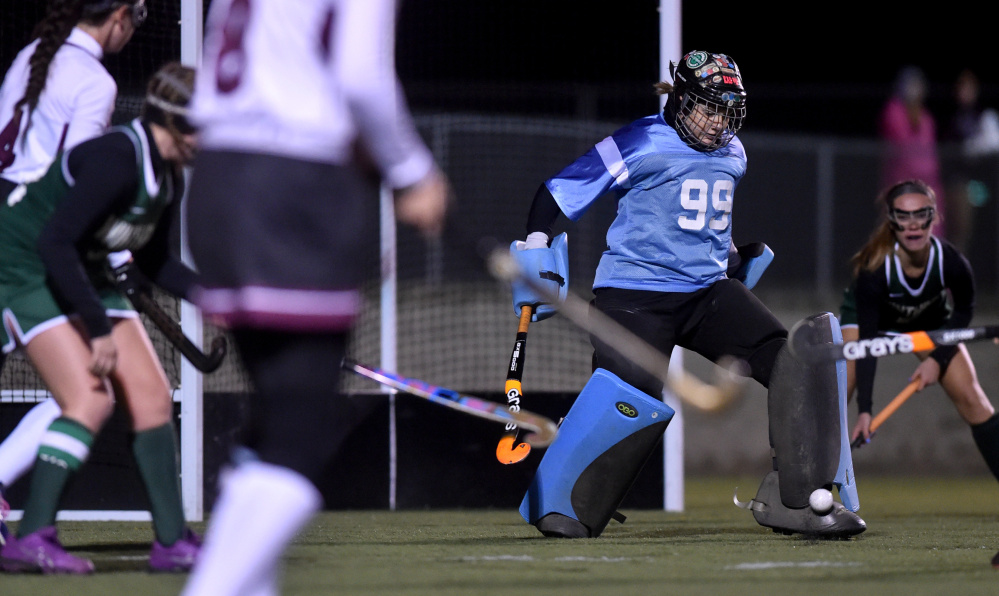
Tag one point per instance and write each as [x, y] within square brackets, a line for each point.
[809, 68]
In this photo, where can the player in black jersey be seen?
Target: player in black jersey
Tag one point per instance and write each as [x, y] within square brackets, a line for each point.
[120, 191]
[906, 279]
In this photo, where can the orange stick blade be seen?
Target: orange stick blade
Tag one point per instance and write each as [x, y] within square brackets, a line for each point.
[507, 453]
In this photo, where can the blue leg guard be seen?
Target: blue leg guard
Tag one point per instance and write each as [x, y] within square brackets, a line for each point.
[602, 445]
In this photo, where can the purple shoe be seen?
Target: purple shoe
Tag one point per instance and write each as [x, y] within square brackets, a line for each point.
[179, 556]
[40, 551]
[4, 512]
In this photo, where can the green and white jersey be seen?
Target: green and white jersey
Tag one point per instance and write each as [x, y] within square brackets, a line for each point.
[107, 194]
[901, 300]
[886, 300]
[129, 227]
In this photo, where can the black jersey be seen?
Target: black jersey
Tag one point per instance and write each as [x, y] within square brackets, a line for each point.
[885, 299]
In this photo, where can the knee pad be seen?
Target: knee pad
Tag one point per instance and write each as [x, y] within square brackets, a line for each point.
[602, 444]
[808, 423]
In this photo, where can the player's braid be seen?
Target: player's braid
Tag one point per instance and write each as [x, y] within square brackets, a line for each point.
[51, 32]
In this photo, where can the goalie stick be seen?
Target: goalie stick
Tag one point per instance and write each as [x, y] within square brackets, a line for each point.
[887, 411]
[509, 450]
[144, 303]
[543, 430]
[884, 345]
[691, 390]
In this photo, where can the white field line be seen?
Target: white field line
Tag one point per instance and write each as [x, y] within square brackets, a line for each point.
[764, 565]
[523, 558]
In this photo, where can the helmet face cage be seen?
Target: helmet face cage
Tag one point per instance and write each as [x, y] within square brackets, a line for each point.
[708, 100]
[707, 125]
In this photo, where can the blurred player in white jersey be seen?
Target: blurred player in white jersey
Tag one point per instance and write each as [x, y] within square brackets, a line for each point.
[55, 95]
[288, 91]
[672, 275]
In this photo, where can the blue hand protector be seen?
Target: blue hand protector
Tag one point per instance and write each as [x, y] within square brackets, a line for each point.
[753, 261]
[551, 265]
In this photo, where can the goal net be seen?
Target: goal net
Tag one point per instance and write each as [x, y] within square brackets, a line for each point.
[454, 325]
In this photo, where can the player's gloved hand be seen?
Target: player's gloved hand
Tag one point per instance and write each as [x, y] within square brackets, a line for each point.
[126, 275]
[550, 264]
[749, 262]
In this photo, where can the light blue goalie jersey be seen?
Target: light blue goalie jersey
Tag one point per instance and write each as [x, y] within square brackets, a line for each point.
[673, 226]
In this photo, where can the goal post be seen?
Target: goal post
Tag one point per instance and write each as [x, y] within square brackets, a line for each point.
[670, 48]
[191, 392]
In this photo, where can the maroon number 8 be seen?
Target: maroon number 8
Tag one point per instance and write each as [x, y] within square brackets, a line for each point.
[232, 56]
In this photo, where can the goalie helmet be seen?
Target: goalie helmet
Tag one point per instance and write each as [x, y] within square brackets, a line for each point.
[707, 104]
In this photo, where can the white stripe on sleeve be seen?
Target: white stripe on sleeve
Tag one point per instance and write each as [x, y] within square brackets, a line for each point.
[613, 161]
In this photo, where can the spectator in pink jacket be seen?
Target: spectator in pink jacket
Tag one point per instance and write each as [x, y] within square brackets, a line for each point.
[909, 131]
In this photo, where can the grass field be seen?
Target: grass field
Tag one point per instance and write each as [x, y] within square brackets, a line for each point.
[925, 536]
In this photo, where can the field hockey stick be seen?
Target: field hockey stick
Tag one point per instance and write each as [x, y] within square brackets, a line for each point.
[542, 430]
[888, 410]
[885, 345]
[688, 388]
[125, 278]
[508, 450]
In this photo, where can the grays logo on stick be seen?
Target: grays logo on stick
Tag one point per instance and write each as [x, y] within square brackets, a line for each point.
[887, 345]
[877, 347]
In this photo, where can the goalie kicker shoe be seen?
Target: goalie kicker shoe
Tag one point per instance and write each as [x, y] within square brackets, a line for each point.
[41, 552]
[770, 512]
[179, 556]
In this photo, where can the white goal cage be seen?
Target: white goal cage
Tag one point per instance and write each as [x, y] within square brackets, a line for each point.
[189, 392]
[670, 48]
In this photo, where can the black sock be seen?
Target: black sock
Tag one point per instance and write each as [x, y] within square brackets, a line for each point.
[986, 437]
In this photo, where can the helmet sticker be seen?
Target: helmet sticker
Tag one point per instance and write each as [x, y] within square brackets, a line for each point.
[696, 59]
[706, 71]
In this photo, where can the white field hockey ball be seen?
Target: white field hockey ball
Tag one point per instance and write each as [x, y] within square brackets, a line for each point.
[821, 501]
